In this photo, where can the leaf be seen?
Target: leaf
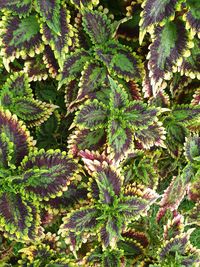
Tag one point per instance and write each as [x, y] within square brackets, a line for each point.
[17, 217]
[196, 97]
[169, 45]
[118, 96]
[120, 60]
[110, 233]
[49, 11]
[138, 115]
[20, 8]
[46, 174]
[33, 111]
[97, 26]
[85, 3]
[112, 258]
[21, 37]
[190, 66]
[50, 61]
[58, 39]
[192, 148]
[156, 11]
[80, 221]
[119, 141]
[15, 140]
[86, 139]
[73, 66]
[153, 135]
[178, 187]
[92, 79]
[192, 17]
[92, 115]
[186, 114]
[36, 68]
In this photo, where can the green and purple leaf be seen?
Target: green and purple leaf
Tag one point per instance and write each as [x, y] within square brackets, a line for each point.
[169, 44]
[15, 141]
[18, 217]
[73, 66]
[118, 96]
[86, 139]
[192, 148]
[58, 41]
[20, 8]
[97, 26]
[186, 114]
[21, 37]
[46, 174]
[120, 140]
[34, 112]
[192, 17]
[50, 61]
[92, 115]
[178, 187]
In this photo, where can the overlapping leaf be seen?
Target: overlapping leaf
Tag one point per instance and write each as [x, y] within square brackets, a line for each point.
[46, 174]
[170, 43]
[20, 37]
[20, 8]
[192, 17]
[192, 148]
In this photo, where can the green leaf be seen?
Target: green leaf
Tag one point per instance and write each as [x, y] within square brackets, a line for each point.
[97, 26]
[46, 174]
[192, 148]
[21, 37]
[186, 114]
[34, 112]
[18, 7]
[92, 115]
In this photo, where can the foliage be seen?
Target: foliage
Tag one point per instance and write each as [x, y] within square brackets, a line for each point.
[99, 133]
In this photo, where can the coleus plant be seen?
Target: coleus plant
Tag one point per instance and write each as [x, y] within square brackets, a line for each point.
[127, 118]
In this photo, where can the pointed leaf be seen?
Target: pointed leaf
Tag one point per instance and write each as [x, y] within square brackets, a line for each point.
[156, 11]
[192, 17]
[97, 26]
[139, 115]
[120, 140]
[73, 66]
[50, 61]
[192, 148]
[49, 11]
[17, 217]
[20, 8]
[178, 187]
[112, 258]
[169, 45]
[92, 115]
[46, 174]
[15, 141]
[57, 36]
[153, 135]
[21, 37]
[186, 114]
[86, 139]
[33, 111]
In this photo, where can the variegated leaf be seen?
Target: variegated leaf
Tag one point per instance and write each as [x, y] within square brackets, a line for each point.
[190, 66]
[50, 61]
[49, 11]
[36, 68]
[155, 12]
[20, 8]
[170, 43]
[118, 96]
[18, 218]
[110, 232]
[120, 140]
[112, 258]
[97, 26]
[174, 227]
[153, 135]
[186, 114]
[194, 189]
[85, 3]
[73, 66]
[120, 60]
[92, 115]
[178, 187]
[58, 39]
[196, 97]
[80, 221]
[192, 17]
[192, 148]
[20, 37]
[86, 139]
[138, 115]
[15, 141]
[46, 174]
[34, 112]
[92, 79]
